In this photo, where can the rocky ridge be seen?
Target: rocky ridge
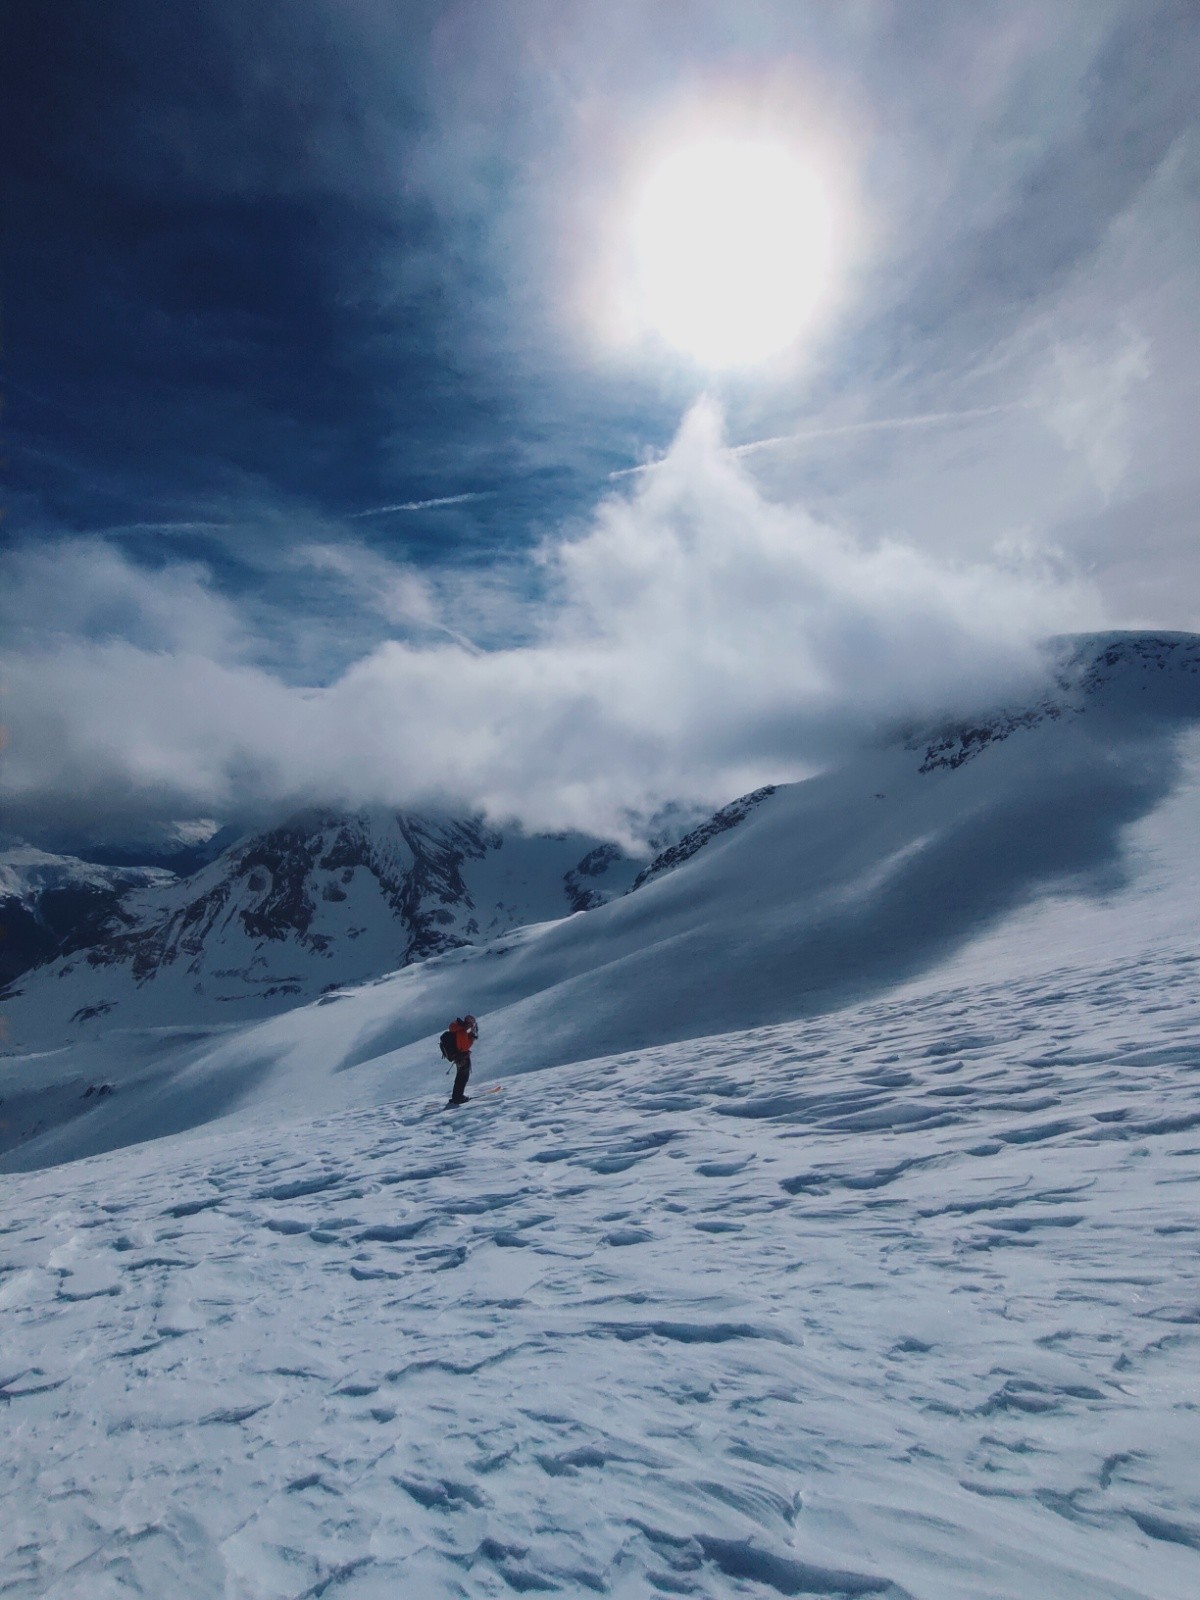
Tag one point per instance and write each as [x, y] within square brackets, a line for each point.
[322, 900]
[1086, 670]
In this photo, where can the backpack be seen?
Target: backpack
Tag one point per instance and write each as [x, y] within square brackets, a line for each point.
[447, 1046]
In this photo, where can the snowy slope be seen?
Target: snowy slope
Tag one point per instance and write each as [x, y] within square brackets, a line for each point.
[894, 1295]
[900, 1301]
[324, 899]
[819, 894]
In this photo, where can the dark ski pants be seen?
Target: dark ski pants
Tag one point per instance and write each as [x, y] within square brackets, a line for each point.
[463, 1064]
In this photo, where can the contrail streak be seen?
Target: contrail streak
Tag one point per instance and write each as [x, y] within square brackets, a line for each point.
[925, 419]
[421, 505]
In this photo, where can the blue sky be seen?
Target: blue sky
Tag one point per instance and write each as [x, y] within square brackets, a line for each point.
[269, 271]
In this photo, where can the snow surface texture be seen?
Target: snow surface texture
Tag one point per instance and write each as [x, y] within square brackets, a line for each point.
[898, 1302]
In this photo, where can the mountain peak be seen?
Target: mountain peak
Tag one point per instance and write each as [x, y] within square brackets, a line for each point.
[317, 901]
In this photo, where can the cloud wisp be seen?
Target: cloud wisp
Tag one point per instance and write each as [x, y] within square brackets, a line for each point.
[697, 639]
[421, 505]
[783, 441]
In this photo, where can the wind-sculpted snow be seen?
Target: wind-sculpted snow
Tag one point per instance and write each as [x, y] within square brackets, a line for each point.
[898, 1302]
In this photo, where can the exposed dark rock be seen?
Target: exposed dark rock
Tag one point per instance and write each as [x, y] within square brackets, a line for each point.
[89, 1013]
[58, 921]
[582, 896]
[1088, 670]
[272, 885]
[954, 746]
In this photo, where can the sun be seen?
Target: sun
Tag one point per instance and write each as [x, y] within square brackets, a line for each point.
[730, 249]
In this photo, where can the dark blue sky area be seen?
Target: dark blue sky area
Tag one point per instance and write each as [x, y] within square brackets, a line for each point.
[274, 266]
[213, 296]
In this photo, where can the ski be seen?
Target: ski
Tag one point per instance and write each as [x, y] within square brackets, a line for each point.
[446, 1105]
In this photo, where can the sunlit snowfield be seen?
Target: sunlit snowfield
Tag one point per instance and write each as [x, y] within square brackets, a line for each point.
[902, 1301]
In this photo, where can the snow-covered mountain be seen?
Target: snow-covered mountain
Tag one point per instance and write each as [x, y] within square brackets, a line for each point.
[52, 905]
[847, 1250]
[793, 902]
[899, 1302]
[181, 846]
[323, 900]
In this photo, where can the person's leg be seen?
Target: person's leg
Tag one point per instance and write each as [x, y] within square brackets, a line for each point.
[458, 1094]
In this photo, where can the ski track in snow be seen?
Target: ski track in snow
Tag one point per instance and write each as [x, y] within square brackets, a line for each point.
[899, 1302]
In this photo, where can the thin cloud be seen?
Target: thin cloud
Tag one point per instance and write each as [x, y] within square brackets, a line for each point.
[421, 505]
[405, 598]
[927, 419]
[157, 527]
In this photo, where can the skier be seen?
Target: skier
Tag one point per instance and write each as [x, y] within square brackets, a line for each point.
[465, 1031]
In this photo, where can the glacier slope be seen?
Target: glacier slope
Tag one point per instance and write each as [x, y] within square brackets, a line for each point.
[899, 1301]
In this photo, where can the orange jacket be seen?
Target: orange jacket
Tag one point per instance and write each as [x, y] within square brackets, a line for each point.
[464, 1036]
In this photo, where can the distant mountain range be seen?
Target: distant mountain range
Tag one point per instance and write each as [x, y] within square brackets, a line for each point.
[325, 899]
[53, 905]
[319, 960]
[322, 900]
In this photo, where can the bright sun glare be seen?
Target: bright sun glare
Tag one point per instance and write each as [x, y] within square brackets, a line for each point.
[732, 245]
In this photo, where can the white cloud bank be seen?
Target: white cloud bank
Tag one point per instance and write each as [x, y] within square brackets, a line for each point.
[697, 639]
